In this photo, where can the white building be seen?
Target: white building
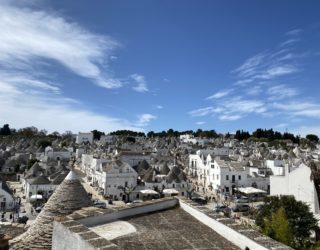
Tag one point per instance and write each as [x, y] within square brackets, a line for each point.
[84, 137]
[134, 158]
[224, 176]
[39, 185]
[296, 181]
[89, 164]
[117, 179]
[276, 166]
[57, 154]
[6, 196]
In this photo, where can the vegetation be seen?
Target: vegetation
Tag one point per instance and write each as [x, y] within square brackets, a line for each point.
[174, 133]
[313, 138]
[97, 134]
[127, 133]
[278, 227]
[5, 130]
[297, 221]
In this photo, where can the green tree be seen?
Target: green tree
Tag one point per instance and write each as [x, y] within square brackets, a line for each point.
[44, 143]
[97, 134]
[5, 130]
[278, 228]
[298, 214]
[313, 138]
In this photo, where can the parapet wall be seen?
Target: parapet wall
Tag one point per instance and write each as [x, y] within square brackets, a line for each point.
[73, 232]
[241, 236]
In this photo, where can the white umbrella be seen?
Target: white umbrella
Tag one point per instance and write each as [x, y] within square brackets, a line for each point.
[251, 190]
[170, 191]
[36, 197]
[148, 191]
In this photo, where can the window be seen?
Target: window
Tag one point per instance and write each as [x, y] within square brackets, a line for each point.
[227, 177]
[173, 185]
[217, 177]
[183, 185]
[239, 177]
[137, 196]
[213, 177]
[227, 189]
[126, 184]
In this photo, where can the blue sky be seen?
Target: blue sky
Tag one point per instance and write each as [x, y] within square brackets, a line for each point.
[154, 65]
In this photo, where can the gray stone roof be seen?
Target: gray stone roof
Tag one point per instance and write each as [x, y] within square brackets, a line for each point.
[176, 175]
[5, 186]
[68, 197]
[40, 180]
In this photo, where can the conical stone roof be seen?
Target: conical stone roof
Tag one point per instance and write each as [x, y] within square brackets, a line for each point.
[67, 198]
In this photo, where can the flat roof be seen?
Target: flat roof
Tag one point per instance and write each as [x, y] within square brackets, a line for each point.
[169, 229]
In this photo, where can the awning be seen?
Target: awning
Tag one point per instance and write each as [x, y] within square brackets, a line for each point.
[36, 197]
[170, 191]
[250, 190]
[148, 191]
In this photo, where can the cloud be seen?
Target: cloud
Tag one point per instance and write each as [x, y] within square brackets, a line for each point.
[232, 109]
[159, 106]
[145, 119]
[305, 130]
[30, 42]
[140, 80]
[289, 42]
[230, 117]
[294, 32]
[200, 123]
[204, 111]
[263, 83]
[54, 113]
[30, 37]
[302, 109]
[255, 90]
[281, 92]
[220, 94]
[281, 125]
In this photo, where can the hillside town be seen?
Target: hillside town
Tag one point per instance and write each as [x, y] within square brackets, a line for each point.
[231, 180]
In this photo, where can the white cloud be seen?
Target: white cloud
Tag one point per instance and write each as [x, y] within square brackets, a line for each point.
[294, 32]
[256, 90]
[29, 41]
[200, 123]
[54, 114]
[205, 111]
[242, 106]
[289, 42]
[230, 117]
[140, 80]
[159, 106]
[27, 37]
[250, 66]
[281, 125]
[303, 109]
[282, 91]
[231, 109]
[145, 119]
[305, 130]
[220, 94]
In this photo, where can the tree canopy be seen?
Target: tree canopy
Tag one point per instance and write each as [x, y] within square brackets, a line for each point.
[5, 130]
[97, 134]
[313, 138]
[298, 215]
